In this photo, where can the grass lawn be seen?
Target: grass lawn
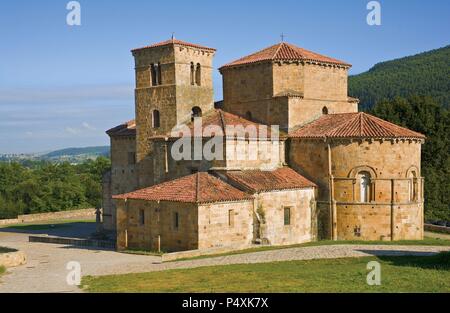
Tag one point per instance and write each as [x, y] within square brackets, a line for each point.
[142, 252]
[425, 242]
[2, 270]
[47, 224]
[398, 274]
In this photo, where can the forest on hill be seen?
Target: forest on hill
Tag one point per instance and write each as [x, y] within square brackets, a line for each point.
[424, 74]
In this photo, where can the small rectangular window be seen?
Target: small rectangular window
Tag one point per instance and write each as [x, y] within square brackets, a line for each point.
[176, 220]
[231, 218]
[141, 217]
[287, 216]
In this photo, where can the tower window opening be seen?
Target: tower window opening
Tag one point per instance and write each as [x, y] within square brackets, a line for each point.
[153, 74]
[196, 112]
[192, 73]
[324, 110]
[159, 74]
[198, 75]
[155, 119]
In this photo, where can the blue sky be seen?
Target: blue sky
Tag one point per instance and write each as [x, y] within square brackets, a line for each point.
[63, 86]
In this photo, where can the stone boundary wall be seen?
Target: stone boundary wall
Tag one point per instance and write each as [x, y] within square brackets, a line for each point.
[12, 259]
[172, 256]
[437, 228]
[74, 241]
[71, 214]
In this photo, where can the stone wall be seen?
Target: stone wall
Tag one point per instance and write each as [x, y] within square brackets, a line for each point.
[122, 177]
[437, 228]
[225, 224]
[374, 221]
[199, 226]
[286, 94]
[159, 220]
[272, 205]
[325, 82]
[305, 110]
[310, 159]
[391, 200]
[51, 216]
[235, 155]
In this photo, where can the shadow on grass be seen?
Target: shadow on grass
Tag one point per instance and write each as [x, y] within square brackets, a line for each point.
[424, 260]
[7, 250]
[75, 229]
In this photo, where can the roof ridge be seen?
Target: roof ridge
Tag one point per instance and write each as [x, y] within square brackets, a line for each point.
[285, 51]
[276, 51]
[174, 41]
[353, 125]
[222, 122]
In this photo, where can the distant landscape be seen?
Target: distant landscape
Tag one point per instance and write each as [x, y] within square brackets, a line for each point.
[71, 155]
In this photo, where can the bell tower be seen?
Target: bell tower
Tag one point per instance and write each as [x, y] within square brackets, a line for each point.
[173, 82]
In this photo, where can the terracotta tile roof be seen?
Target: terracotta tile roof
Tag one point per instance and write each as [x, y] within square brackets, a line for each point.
[279, 179]
[175, 42]
[353, 125]
[125, 129]
[196, 188]
[284, 52]
[225, 121]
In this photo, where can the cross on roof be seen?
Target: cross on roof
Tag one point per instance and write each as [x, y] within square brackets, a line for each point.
[282, 37]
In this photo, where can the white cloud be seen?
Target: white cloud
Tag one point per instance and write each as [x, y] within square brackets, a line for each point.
[73, 131]
[87, 126]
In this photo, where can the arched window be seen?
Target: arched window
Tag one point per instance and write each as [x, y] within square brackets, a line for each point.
[153, 74]
[413, 186]
[159, 74]
[196, 112]
[324, 110]
[248, 115]
[198, 75]
[192, 73]
[155, 119]
[364, 186]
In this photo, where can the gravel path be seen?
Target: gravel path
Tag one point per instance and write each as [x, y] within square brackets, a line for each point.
[46, 268]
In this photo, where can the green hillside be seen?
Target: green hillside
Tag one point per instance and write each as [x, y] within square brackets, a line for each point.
[70, 152]
[424, 74]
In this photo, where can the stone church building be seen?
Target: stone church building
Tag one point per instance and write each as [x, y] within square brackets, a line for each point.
[333, 172]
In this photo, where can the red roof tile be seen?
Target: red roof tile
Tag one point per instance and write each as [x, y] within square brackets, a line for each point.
[196, 188]
[175, 42]
[125, 129]
[284, 52]
[225, 122]
[279, 179]
[353, 125]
